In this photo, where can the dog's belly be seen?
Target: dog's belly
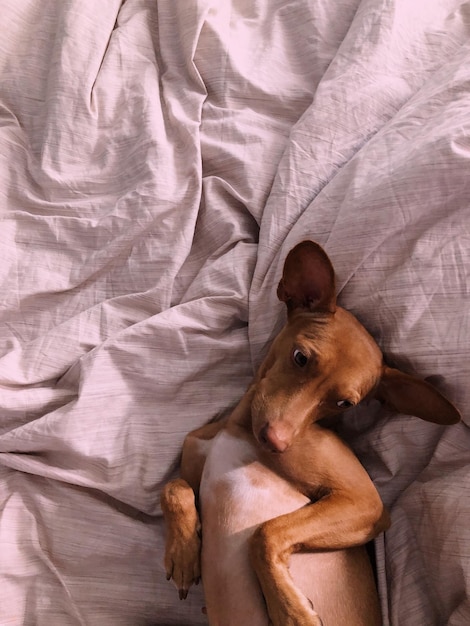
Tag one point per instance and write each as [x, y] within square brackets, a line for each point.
[237, 494]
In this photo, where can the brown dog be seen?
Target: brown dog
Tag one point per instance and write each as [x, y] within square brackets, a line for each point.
[285, 505]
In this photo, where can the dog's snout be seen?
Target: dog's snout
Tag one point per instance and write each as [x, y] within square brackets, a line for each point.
[271, 439]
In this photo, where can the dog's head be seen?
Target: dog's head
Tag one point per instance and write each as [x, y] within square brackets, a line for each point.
[324, 361]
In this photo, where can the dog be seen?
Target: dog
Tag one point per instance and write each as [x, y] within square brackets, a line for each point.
[284, 505]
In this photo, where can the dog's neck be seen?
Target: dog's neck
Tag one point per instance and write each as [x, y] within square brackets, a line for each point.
[241, 415]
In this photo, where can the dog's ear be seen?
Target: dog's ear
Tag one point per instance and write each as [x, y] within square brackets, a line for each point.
[411, 396]
[308, 279]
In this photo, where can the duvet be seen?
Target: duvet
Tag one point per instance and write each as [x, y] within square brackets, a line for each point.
[158, 159]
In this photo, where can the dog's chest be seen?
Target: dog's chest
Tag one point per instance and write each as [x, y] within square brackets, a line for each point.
[239, 492]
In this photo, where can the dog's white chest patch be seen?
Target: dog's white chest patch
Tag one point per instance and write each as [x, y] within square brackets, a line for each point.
[238, 491]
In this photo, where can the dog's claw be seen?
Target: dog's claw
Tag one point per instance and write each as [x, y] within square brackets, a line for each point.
[169, 573]
[183, 594]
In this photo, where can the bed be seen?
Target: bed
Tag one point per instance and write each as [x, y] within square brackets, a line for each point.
[158, 159]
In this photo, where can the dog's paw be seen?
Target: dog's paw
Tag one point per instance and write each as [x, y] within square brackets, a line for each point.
[305, 619]
[309, 618]
[183, 562]
[297, 613]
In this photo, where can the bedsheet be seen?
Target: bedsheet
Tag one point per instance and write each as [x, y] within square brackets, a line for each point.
[158, 159]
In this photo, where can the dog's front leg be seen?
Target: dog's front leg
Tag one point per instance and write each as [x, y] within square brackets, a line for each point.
[183, 541]
[179, 507]
[335, 522]
[286, 604]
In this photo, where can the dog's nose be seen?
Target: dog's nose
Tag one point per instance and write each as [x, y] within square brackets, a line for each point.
[272, 440]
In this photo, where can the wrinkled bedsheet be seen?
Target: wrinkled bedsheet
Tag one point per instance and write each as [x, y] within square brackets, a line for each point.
[158, 159]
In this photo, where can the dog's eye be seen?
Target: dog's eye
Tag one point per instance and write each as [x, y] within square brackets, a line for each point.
[299, 358]
[344, 404]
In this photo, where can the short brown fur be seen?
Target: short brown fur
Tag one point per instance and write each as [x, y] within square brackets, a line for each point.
[305, 566]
